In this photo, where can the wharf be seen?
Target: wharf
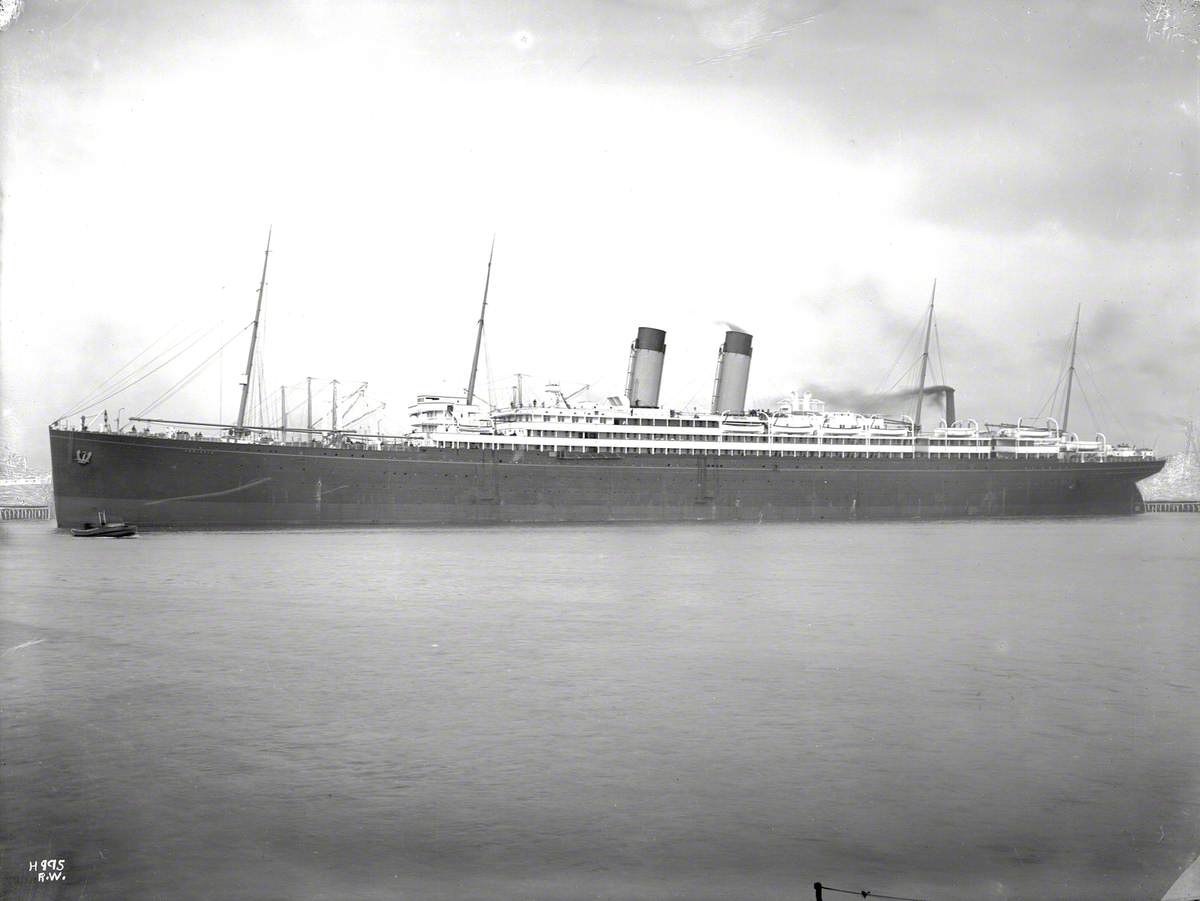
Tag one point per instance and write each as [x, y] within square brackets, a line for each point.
[1172, 506]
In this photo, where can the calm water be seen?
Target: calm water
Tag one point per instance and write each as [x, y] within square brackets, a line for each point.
[964, 710]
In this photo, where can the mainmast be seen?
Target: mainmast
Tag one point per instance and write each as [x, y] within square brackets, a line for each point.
[924, 364]
[479, 334]
[241, 420]
[1071, 371]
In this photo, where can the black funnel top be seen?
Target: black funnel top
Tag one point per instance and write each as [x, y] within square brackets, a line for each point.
[650, 338]
[737, 343]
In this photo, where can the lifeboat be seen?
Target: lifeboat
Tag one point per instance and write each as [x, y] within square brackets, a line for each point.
[743, 424]
[789, 423]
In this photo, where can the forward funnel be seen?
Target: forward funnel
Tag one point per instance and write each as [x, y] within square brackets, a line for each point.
[645, 367]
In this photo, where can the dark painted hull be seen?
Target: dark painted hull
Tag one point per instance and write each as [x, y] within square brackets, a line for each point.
[166, 483]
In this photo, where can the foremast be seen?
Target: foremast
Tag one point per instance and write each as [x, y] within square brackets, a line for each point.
[262, 284]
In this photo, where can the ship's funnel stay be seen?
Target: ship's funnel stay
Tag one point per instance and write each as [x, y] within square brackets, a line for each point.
[645, 367]
[733, 374]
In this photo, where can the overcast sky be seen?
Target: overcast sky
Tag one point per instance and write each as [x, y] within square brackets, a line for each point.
[802, 169]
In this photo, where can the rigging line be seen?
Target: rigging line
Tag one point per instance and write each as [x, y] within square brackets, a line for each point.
[1088, 403]
[1051, 398]
[178, 386]
[937, 337]
[187, 378]
[262, 401]
[699, 386]
[301, 403]
[359, 393]
[132, 378]
[1047, 406]
[129, 384]
[259, 370]
[115, 376]
[1112, 411]
[487, 367]
[318, 394]
[1064, 365]
[933, 360]
[262, 378]
[198, 334]
[903, 350]
[1101, 401]
[142, 372]
[903, 375]
[865, 894]
[191, 376]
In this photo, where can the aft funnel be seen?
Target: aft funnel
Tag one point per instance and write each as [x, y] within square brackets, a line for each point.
[733, 374]
[645, 367]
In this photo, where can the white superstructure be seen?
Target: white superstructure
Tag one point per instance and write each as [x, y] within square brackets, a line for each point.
[799, 427]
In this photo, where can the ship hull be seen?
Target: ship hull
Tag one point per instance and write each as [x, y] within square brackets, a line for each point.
[168, 483]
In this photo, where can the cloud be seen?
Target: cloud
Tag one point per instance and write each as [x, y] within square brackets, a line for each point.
[812, 184]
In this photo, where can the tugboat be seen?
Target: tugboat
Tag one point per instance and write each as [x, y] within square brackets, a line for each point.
[105, 529]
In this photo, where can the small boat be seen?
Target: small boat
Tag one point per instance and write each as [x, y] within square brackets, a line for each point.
[105, 529]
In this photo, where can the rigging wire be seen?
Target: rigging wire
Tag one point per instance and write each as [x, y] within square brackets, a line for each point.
[138, 374]
[318, 396]
[903, 350]
[1104, 403]
[1051, 401]
[352, 399]
[301, 403]
[257, 374]
[903, 375]
[129, 384]
[117, 375]
[183, 382]
[487, 367]
[262, 401]
[291, 387]
[1088, 403]
[1064, 367]
[937, 338]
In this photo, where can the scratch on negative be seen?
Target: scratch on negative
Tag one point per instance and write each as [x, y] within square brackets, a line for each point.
[27, 644]
[196, 497]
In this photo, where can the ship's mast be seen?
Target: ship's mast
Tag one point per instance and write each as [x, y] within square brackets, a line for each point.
[333, 408]
[1071, 371]
[241, 420]
[310, 403]
[283, 413]
[924, 364]
[479, 334]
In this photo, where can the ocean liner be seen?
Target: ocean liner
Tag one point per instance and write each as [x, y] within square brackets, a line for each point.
[627, 459]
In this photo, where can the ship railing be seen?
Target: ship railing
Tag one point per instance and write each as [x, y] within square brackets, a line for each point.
[256, 434]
